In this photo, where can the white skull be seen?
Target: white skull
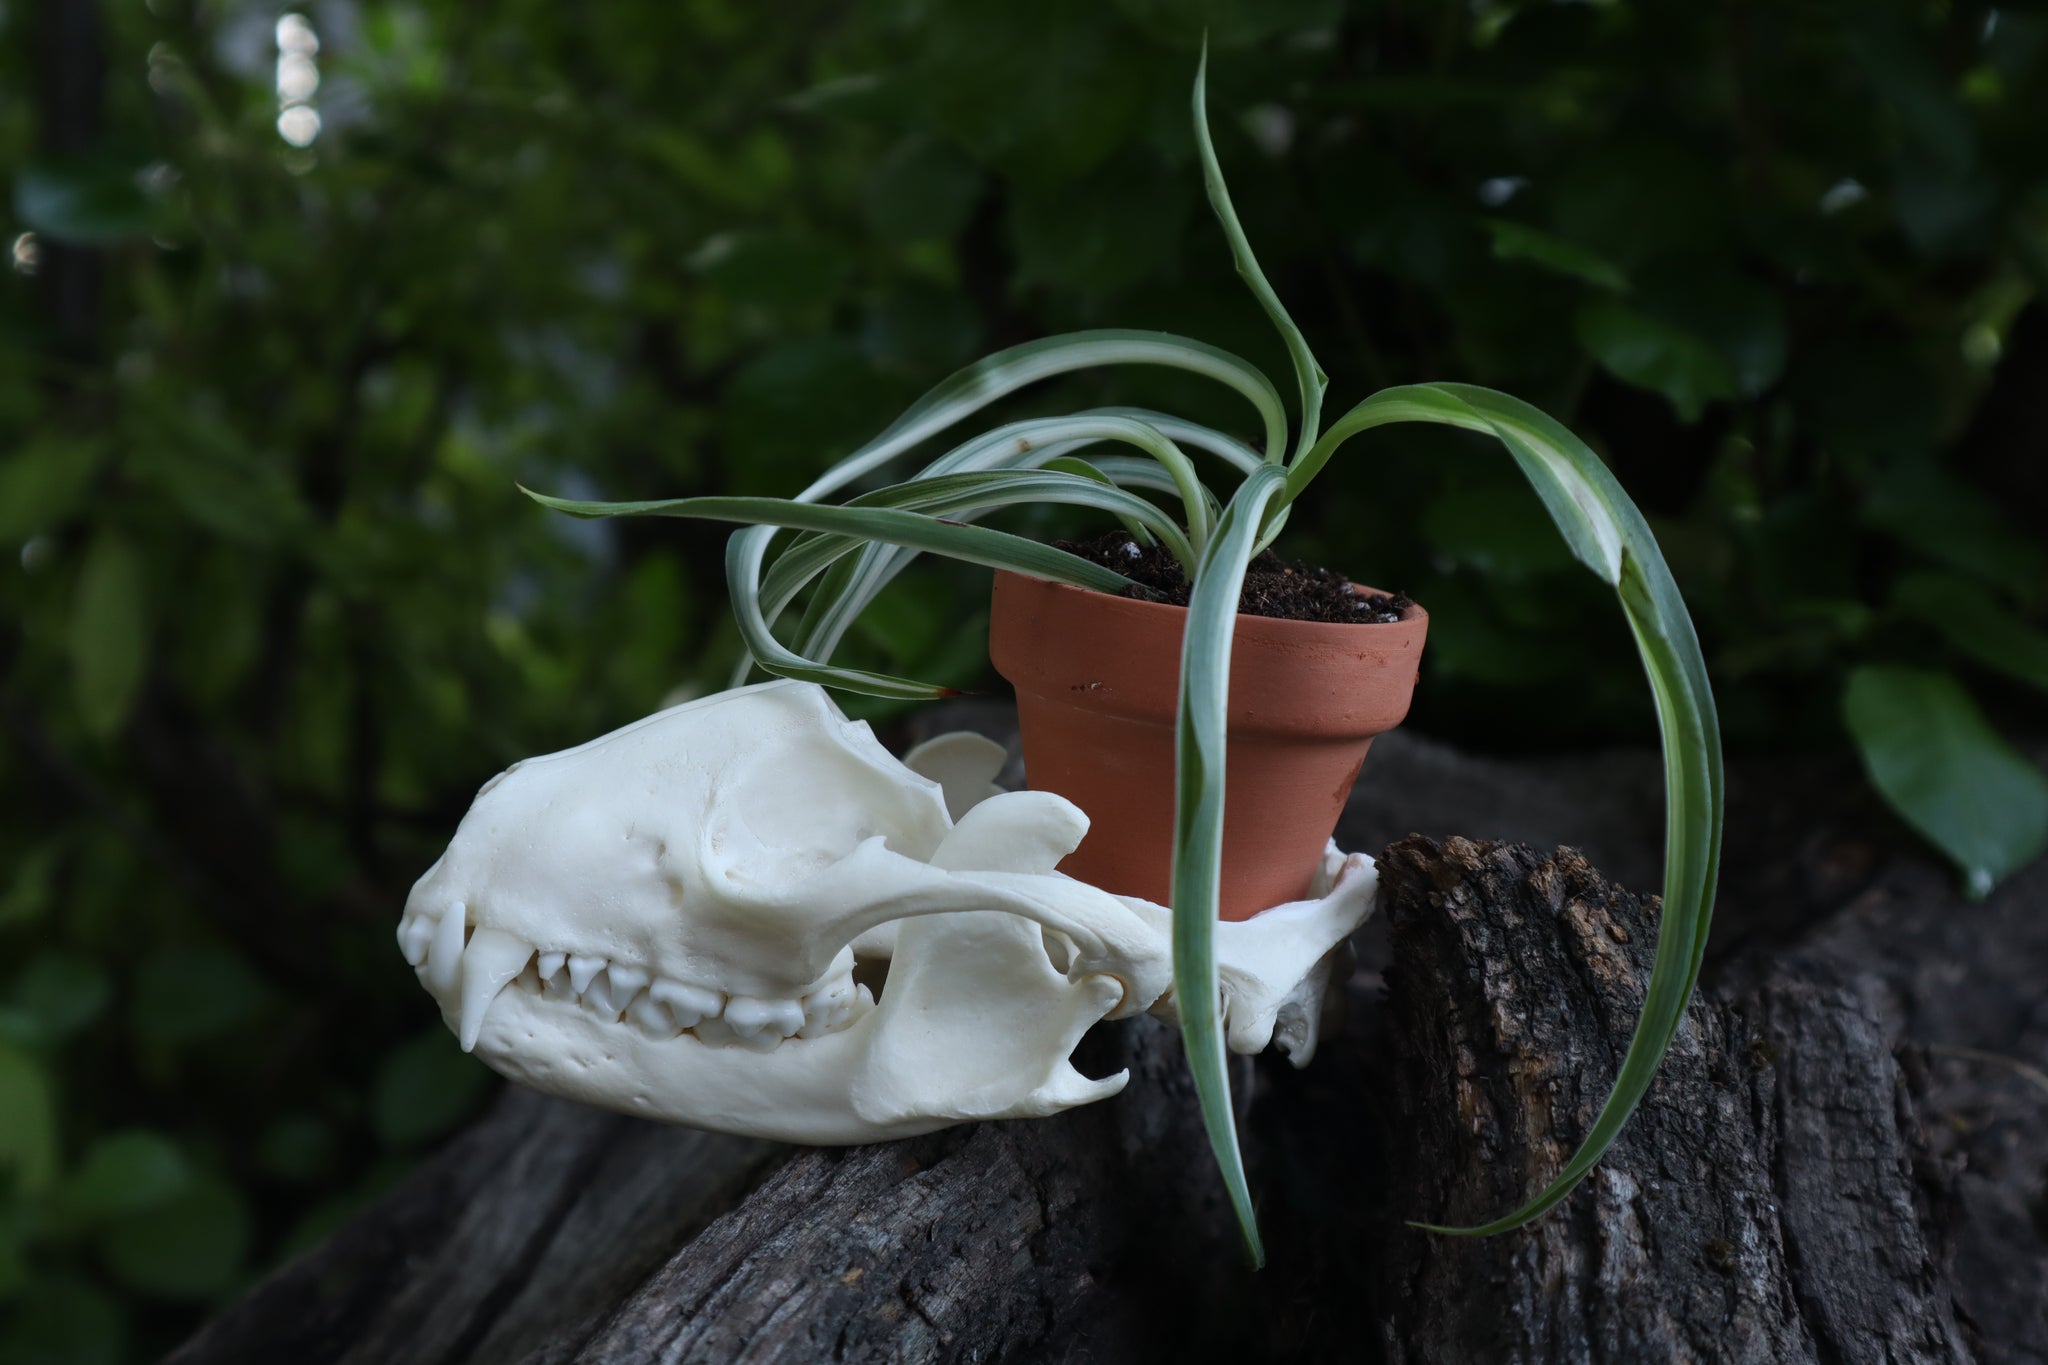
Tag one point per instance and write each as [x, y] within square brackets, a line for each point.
[665, 921]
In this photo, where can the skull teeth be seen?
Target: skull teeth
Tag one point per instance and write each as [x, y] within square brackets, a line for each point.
[452, 955]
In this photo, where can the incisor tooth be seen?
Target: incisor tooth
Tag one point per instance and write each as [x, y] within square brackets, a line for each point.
[444, 962]
[492, 959]
[581, 970]
[413, 935]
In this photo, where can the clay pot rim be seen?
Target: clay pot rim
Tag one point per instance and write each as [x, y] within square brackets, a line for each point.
[1412, 615]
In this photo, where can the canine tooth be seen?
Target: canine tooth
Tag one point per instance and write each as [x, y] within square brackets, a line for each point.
[581, 970]
[752, 1018]
[444, 961]
[413, 936]
[492, 959]
[627, 981]
[691, 1004]
[651, 1016]
[550, 963]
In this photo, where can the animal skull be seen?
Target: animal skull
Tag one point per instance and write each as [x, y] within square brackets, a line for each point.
[666, 921]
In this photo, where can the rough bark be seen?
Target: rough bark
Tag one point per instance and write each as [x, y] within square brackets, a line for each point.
[1843, 1159]
[1762, 1205]
[553, 1233]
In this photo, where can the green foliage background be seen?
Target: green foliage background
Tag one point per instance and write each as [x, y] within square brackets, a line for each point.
[273, 609]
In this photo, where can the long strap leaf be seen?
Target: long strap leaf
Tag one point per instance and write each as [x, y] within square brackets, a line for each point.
[1608, 535]
[969, 390]
[1199, 742]
[974, 544]
[963, 495]
[1308, 375]
[1028, 442]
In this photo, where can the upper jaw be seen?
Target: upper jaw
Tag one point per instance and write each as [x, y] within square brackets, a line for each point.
[468, 967]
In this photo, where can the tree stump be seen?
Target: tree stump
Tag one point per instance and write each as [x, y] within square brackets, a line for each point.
[1842, 1159]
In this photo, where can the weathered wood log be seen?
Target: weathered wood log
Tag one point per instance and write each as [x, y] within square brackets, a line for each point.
[1846, 1112]
[1762, 1205]
[555, 1233]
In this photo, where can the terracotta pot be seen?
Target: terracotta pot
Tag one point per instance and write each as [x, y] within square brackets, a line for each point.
[1098, 686]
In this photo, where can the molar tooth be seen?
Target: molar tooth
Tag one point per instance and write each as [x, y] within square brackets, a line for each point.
[829, 1008]
[651, 1016]
[691, 1004]
[492, 959]
[751, 1017]
[550, 963]
[715, 1031]
[444, 961]
[581, 970]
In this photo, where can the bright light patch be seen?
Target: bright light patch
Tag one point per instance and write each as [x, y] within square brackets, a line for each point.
[298, 80]
[299, 125]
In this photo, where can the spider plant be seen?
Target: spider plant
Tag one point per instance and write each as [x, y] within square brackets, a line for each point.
[849, 550]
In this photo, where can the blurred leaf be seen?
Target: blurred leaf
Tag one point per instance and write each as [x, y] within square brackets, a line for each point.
[1650, 354]
[61, 992]
[1901, 67]
[191, 1245]
[1944, 214]
[109, 633]
[923, 189]
[43, 484]
[28, 892]
[1976, 623]
[1514, 241]
[126, 1173]
[1229, 24]
[1116, 228]
[186, 993]
[84, 199]
[777, 271]
[297, 1147]
[223, 486]
[28, 1139]
[66, 1323]
[1948, 521]
[1741, 319]
[1494, 526]
[425, 1088]
[1931, 754]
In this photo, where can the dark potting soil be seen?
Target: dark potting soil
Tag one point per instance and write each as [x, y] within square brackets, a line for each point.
[1272, 586]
